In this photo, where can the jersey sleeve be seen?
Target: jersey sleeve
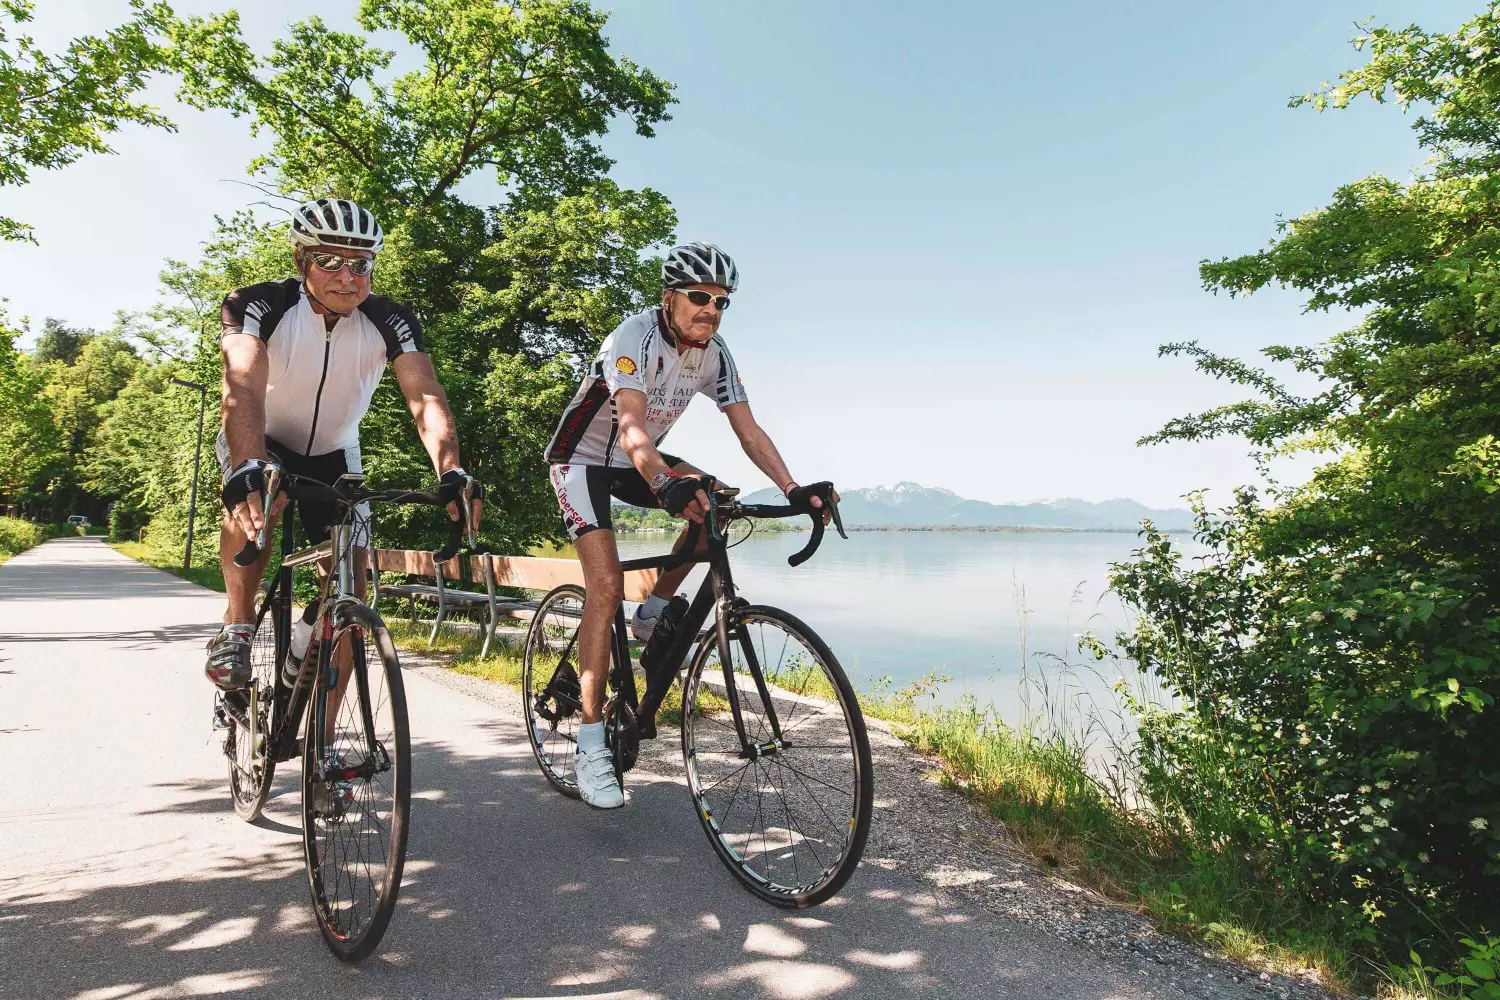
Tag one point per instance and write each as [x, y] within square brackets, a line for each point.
[622, 357]
[398, 326]
[727, 387]
[257, 309]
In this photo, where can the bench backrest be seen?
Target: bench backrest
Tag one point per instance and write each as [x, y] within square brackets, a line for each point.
[412, 562]
[534, 573]
[520, 572]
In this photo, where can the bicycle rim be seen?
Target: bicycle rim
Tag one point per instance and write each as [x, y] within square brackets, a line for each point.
[251, 767]
[550, 702]
[789, 821]
[354, 827]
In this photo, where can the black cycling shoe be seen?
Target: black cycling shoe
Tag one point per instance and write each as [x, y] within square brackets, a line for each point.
[228, 663]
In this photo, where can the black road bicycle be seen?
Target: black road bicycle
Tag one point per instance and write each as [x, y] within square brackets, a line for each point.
[355, 745]
[777, 758]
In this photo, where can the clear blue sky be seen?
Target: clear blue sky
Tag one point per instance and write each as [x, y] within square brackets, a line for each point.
[963, 227]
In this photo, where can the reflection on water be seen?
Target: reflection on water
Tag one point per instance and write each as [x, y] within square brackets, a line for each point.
[904, 604]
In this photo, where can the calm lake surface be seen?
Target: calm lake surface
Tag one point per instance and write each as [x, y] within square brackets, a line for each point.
[972, 605]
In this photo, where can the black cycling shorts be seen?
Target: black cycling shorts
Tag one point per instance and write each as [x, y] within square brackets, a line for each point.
[583, 493]
[317, 516]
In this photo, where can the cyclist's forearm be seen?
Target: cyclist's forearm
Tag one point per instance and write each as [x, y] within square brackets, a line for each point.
[244, 422]
[761, 450]
[438, 432]
[642, 453]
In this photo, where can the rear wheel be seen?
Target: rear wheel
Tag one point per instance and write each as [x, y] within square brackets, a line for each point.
[549, 686]
[356, 788]
[788, 817]
[250, 766]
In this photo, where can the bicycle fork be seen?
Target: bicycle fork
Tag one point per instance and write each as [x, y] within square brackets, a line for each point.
[725, 634]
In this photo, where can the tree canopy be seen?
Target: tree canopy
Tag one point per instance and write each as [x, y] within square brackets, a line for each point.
[56, 108]
[1338, 656]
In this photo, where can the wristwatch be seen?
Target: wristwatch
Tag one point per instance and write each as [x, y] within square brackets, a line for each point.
[660, 481]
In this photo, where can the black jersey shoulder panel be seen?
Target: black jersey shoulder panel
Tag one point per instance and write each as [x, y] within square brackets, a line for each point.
[257, 309]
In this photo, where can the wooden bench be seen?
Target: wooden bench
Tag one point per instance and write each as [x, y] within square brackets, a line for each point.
[447, 591]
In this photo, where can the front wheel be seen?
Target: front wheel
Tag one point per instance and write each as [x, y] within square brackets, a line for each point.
[356, 786]
[787, 815]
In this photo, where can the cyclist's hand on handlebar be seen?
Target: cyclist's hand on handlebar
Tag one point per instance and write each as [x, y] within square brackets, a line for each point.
[683, 497]
[451, 485]
[809, 498]
[244, 494]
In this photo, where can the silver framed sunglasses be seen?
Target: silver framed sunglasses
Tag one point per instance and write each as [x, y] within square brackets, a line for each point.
[699, 297]
[333, 263]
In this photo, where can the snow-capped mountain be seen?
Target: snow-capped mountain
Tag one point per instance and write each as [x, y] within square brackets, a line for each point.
[914, 505]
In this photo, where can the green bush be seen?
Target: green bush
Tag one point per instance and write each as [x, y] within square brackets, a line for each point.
[1337, 736]
[18, 535]
[1337, 655]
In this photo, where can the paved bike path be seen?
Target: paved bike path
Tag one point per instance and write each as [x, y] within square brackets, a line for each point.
[124, 872]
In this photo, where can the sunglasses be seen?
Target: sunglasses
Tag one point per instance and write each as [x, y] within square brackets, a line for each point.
[333, 263]
[698, 297]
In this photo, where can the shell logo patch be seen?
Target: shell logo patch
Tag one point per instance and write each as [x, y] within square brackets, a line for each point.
[626, 365]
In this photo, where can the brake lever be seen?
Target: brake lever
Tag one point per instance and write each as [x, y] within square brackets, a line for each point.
[838, 520]
[273, 484]
[254, 546]
[466, 511]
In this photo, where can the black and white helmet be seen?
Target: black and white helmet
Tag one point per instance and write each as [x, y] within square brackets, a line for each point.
[336, 222]
[699, 264]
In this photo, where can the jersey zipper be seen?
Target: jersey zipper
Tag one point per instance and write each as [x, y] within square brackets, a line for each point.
[318, 399]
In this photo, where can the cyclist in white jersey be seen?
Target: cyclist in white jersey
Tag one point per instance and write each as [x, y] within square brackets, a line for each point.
[605, 445]
[302, 358]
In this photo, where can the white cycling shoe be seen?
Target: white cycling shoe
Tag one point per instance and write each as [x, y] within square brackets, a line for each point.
[642, 627]
[595, 773]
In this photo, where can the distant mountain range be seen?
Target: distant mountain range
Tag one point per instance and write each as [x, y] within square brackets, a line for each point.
[912, 505]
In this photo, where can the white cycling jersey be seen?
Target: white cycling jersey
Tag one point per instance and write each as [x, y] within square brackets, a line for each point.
[320, 381]
[640, 355]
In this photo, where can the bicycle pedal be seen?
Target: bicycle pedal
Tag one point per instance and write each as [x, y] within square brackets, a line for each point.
[221, 719]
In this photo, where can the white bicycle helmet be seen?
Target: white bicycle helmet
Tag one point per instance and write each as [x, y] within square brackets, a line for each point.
[699, 264]
[336, 222]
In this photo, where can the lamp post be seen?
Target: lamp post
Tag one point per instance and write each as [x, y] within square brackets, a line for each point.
[187, 557]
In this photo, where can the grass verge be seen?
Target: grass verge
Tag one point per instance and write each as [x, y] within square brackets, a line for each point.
[210, 576]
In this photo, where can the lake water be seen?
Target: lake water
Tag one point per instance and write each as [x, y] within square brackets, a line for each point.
[971, 605]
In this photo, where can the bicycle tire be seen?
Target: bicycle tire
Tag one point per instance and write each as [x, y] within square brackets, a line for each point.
[828, 735]
[554, 741]
[251, 769]
[354, 901]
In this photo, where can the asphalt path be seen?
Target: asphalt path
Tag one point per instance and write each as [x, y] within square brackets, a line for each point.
[125, 875]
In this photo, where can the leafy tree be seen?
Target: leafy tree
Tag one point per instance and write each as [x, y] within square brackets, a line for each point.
[54, 109]
[522, 90]
[59, 342]
[29, 439]
[78, 393]
[1339, 657]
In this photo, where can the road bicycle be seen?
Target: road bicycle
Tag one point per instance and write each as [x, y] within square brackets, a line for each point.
[354, 742]
[773, 740]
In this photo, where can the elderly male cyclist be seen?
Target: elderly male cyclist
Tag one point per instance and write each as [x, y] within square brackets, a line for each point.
[646, 373]
[302, 358]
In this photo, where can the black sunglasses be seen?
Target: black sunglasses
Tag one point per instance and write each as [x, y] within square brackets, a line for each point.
[333, 263]
[698, 297]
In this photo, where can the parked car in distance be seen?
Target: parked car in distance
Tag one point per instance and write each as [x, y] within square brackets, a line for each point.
[79, 520]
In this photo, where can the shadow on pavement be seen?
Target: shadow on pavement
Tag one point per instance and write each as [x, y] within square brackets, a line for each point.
[511, 891]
